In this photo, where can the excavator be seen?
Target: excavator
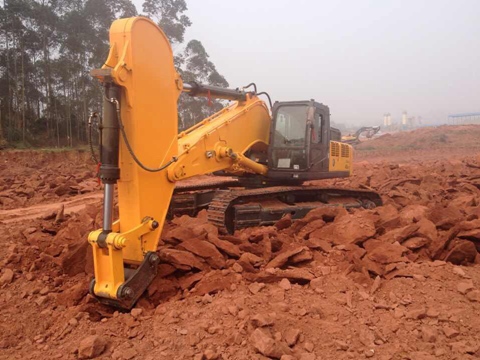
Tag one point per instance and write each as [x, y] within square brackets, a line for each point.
[270, 153]
[354, 139]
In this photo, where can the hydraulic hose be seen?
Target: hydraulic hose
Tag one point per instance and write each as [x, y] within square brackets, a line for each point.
[129, 147]
[90, 136]
[269, 99]
[251, 84]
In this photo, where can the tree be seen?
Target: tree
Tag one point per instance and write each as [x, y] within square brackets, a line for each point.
[170, 16]
[198, 68]
[47, 49]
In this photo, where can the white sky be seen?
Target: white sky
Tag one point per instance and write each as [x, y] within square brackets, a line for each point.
[361, 58]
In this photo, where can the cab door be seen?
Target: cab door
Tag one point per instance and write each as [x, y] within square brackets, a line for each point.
[288, 150]
[319, 139]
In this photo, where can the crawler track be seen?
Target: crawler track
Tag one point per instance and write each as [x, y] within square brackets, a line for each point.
[231, 210]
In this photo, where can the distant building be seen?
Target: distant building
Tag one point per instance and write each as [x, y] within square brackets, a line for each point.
[464, 118]
[404, 120]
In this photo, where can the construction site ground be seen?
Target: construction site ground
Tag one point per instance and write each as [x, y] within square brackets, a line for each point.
[401, 281]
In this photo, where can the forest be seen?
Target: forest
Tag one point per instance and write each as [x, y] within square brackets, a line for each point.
[49, 47]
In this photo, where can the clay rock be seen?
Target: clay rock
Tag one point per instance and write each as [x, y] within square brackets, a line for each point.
[385, 253]
[388, 217]
[205, 250]
[186, 282]
[470, 230]
[348, 229]
[182, 260]
[415, 243]
[354, 251]
[258, 234]
[300, 275]
[296, 274]
[309, 228]
[7, 277]
[284, 222]
[445, 217]
[302, 257]
[232, 239]
[205, 229]
[162, 289]
[179, 233]
[267, 346]
[256, 287]
[465, 201]
[462, 252]
[75, 260]
[215, 283]
[62, 190]
[263, 320]
[465, 286]
[319, 244]
[91, 347]
[474, 296]
[400, 234]
[450, 332]
[372, 266]
[189, 222]
[282, 258]
[285, 284]
[326, 214]
[413, 213]
[429, 333]
[426, 229]
[72, 295]
[417, 312]
[250, 261]
[224, 246]
[291, 336]
[60, 214]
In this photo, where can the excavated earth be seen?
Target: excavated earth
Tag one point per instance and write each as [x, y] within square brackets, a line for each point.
[401, 281]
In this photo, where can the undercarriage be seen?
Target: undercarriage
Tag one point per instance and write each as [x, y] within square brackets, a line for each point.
[230, 206]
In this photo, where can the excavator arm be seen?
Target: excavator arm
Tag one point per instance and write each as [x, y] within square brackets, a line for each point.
[355, 138]
[143, 154]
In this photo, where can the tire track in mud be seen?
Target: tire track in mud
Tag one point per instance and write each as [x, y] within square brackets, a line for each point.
[36, 211]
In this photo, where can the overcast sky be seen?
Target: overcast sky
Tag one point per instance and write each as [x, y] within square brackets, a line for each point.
[361, 58]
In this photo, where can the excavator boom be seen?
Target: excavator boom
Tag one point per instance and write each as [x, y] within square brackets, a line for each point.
[140, 108]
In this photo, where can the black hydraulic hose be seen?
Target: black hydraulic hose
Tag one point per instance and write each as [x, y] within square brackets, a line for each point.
[251, 84]
[129, 147]
[269, 99]
[90, 140]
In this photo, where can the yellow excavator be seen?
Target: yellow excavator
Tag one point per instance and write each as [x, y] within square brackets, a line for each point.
[269, 153]
[354, 139]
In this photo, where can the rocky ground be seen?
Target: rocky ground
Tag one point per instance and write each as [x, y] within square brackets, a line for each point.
[401, 281]
[37, 177]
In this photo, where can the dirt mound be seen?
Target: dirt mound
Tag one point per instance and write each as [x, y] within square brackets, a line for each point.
[396, 282]
[29, 177]
[299, 290]
[460, 139]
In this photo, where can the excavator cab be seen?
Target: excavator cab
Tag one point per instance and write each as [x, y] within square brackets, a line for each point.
[300, 138]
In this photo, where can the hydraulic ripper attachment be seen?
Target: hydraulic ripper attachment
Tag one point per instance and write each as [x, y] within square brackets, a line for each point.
[143, 154]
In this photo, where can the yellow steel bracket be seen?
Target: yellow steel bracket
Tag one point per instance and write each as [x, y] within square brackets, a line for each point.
[108, 255]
